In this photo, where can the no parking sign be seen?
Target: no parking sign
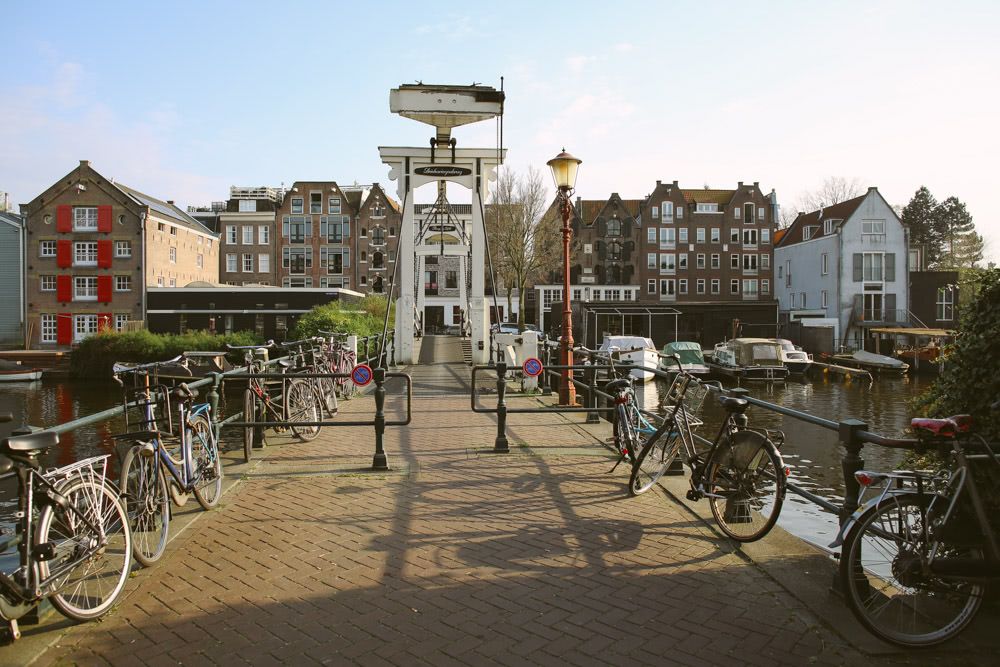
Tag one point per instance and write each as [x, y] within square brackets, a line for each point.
[532, 367]
[361, 374]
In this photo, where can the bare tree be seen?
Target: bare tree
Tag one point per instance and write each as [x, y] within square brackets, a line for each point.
[525, 245]
[834, 190]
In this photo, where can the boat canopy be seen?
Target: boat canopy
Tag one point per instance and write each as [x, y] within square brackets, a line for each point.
[687, 351]
[627, 343]
[757, 352]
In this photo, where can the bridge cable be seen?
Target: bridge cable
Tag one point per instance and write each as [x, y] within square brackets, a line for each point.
[388, 299]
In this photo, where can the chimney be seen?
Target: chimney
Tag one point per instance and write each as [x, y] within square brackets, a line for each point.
[170, 201]
[659, 182]
[579, 207]
[84, 163]
[675, 184]
[740, 184]
[873, 189]
[756, 184]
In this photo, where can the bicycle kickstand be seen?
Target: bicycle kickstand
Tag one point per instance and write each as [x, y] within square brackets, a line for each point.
[618, 463]
[13, 629]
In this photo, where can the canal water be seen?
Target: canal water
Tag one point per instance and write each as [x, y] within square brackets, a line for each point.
[813, 453]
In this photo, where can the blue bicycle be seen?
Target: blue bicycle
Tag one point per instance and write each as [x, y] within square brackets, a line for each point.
[158, 466]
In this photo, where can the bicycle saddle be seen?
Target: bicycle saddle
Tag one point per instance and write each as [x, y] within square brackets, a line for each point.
[6, 465]
[183, 392]
[616, 385]
[942, 428]
[285, 363]
[737, 405]
[33, 442]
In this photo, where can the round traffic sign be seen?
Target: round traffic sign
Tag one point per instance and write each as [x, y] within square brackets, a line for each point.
[532, 366]
[361, 374]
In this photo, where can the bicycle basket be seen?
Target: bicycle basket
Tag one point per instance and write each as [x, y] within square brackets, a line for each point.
[684, 397]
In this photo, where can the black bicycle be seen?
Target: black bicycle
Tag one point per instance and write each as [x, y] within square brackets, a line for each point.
[72, 535]
[740, 473]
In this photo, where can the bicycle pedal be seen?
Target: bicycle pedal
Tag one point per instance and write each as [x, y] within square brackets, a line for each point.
[693, 495]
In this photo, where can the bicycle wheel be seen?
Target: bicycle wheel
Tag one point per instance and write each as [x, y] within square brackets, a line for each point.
[206, 463]
[655, 458]
[328, 394]
[249, 415]
[302, 405]
[144, 493]
[92, 583]
[746, 486]
[888, 588]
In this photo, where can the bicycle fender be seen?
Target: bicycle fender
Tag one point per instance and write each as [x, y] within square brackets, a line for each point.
[851, 520]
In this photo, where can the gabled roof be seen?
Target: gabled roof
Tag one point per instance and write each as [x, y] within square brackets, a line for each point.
[841, 211]
[703, 196]
[165, 209]
[372, 192]
[590, 209]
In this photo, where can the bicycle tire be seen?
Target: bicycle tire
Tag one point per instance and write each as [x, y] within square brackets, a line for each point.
[207, 464]
[875, 568]
[303, 405]
[328, 394]
[90, 589]
[655, 458]
[249, 415]
[745, 486]
[147, 505]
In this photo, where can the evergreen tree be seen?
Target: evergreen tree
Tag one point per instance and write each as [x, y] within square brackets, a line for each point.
[961, 246]
[919, 216]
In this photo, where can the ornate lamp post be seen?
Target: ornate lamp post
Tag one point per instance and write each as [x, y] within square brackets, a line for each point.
[564, 167]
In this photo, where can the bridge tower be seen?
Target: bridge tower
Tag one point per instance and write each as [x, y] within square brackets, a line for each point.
[443, 162]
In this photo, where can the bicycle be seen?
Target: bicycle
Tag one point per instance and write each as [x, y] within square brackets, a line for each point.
[629, 425]
[153, 474]
[72, 535]
[309, 356]
[342, 360]
[918, 557]
[741, 473]
[296, 402]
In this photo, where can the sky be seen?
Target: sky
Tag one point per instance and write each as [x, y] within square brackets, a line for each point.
[184, 99]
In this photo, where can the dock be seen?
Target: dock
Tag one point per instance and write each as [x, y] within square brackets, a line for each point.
[845, 372]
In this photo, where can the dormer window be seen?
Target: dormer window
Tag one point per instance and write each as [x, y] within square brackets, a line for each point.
[830, 224]
[614, 227]
[807, 232]
[707, 208]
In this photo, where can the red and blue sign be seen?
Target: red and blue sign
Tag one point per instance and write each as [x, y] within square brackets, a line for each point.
[361, 374]
[532, 367]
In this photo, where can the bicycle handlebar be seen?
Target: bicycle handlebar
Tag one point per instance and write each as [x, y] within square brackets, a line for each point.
[120, 367]
[290, 343]
[263, 346]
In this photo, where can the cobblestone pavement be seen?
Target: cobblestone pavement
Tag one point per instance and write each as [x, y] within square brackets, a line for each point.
[456, 556]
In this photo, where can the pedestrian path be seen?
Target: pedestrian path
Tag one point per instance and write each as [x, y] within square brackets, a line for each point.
[456, 556]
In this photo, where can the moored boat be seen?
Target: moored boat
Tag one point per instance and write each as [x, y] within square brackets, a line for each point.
[691, 357]
[633, 350]
[13, 371]
[795, 359]
[748, 359]
[874, 363]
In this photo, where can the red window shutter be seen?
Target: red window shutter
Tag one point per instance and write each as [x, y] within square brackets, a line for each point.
[104, 219]
[104, 322]
[104, 253]
[104, 289]
[64, 254]
[64, 289]
[64, 328]
[64, 218]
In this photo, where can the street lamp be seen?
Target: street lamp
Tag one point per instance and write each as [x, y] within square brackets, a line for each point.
[564, 167]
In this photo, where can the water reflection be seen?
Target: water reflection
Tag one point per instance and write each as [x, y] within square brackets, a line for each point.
[813, 453]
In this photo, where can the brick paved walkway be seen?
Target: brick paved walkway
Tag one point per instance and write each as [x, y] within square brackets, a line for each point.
[455, 557]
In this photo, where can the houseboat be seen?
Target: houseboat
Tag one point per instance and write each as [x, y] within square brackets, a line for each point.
[691, 357]
[633, 350]
[748, 359]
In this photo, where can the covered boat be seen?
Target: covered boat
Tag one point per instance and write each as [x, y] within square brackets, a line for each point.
[748, 359]
[634, 350]
[690, 355]
[794, 358]
[875, 363]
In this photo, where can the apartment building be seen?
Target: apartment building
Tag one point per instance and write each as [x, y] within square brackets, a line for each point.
[247, 234]
[846, 263]
[378, 219]
[92, 248]
[707, 245]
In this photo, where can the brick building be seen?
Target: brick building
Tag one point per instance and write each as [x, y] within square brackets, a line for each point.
[337, 237]
[92, 248]
[247, 234]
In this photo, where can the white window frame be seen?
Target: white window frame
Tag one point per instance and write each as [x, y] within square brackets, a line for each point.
[765, 236]
[945, 304]
[651, 235]
[298, 205]
[173, 254]
[48, 328]
[84, 325]
[123, 283]
[668, 212]
[700, 286]
[870, 273]
[765, 286]
[51, 246]
[232, 262]
[85, 253]
[47, 283]
[263, 235]
[682, 286]
[231, 235]
[716, 286]
[650, 260]
[716, 235]
[654, 212]
[682, 234]
[263, 263]
[707, 208]
[247, 235]
[84, 288]
[121, 320]
[822, 299]
[87, 222]
[246, 262]
[824, 264]
[248, 206]
[123, 248]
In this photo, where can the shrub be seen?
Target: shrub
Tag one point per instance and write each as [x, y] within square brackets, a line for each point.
[95, 355]
[364, 317]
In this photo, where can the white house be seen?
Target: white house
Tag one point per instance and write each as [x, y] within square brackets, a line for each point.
[846, 263]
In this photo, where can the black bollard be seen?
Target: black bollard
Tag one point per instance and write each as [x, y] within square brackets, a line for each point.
[850, 464]
[500, 444]
[379, 461]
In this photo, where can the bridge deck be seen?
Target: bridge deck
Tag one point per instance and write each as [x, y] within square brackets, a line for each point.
[455, 556]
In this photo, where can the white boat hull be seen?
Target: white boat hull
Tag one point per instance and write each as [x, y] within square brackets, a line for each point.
[20, 376]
